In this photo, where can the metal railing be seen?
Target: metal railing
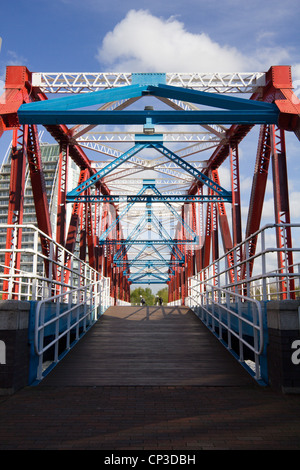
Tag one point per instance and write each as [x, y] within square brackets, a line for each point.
[61, 320]
[258, 276]
[31, 280]
[235, 319]
[175, 303]
[67, 295]
[123, 303]
[230, 298]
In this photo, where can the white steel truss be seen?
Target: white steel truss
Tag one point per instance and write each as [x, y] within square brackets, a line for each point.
[78, 82]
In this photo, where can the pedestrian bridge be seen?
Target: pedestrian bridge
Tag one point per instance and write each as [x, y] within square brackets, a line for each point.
[153, 379]
[85, 224]
[148, 346]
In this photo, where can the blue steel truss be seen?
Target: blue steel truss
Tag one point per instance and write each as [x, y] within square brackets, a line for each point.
[71, 196]
[68, 110]
[247, 117]
[150, 242]
[76, 194]
[151, 198]
[120, 216]
[65, 110]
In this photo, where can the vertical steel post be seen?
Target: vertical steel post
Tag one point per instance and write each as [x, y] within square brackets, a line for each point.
[224, 228]
[215, 241]
[259, 184]
[236, 199]
[282, 212]
[61, 195]
[15, 211]
[199, 232]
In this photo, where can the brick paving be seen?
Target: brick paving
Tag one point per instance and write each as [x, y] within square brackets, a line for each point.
[150, 418]
[59, 414]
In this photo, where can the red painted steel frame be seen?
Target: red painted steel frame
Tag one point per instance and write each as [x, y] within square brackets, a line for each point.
[18, 90]
[281, 208]
[278, 89]
[15, 209]
[61, 195]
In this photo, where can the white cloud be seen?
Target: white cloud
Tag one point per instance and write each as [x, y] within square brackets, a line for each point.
[142, 42]
[294, 198]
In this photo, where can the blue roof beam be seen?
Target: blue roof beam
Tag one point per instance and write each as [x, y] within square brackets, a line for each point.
[240, 116]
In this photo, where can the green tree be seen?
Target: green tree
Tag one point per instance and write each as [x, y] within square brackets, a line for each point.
[136, 294]
[163, 293]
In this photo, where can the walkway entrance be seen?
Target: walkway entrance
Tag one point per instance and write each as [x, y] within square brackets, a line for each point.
[158, 346]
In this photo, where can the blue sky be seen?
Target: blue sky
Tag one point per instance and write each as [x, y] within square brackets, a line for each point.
[64, 35]
[194, 35]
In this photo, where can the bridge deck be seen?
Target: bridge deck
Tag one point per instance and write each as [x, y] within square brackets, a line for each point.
[149, 379]
[149, 346]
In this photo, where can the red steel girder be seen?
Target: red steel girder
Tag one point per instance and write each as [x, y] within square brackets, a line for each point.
[259, 184]
[279, 90]
[281, 207]
[90, 235]
[15, 207]
[38, 181]
[207, 237]
[224, 229]
[75, 218]
[19, 90]
[61, 194]
[39, 194]
[214, 234]
[236, 198]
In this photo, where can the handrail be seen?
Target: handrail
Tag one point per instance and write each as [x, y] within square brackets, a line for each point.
[57, 318]
[258, 327]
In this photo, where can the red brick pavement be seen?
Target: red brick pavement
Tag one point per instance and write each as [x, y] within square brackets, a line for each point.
[150, 418]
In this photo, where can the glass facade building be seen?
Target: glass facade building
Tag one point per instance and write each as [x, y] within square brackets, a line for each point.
[50, 163]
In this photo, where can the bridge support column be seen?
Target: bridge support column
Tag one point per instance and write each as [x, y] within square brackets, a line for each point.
[283, 352]
[14, 346]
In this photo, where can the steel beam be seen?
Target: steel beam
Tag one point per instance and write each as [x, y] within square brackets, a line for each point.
[282, 209]
[105, 171]
[83, 82]
[153, 198]
[149, 242]
[53, 117]
[15, 209]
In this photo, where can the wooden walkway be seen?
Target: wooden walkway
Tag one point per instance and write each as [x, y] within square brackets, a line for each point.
[152, 380]
[158, 346]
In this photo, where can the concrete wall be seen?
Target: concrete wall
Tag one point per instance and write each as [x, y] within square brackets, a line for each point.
[14, 345]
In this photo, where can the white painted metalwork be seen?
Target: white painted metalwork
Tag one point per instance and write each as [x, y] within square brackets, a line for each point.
[34, 283]
[223, 310]
[78, 82]
[83, 307]
[241, 298]
[67, 305]
[120, 137]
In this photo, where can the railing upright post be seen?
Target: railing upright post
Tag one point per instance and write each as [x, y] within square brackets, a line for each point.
[247, 261]
[263, 267]
[50, 277]
[34, 266]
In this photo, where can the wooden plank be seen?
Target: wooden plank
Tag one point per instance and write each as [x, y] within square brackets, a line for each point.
[158, 346]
